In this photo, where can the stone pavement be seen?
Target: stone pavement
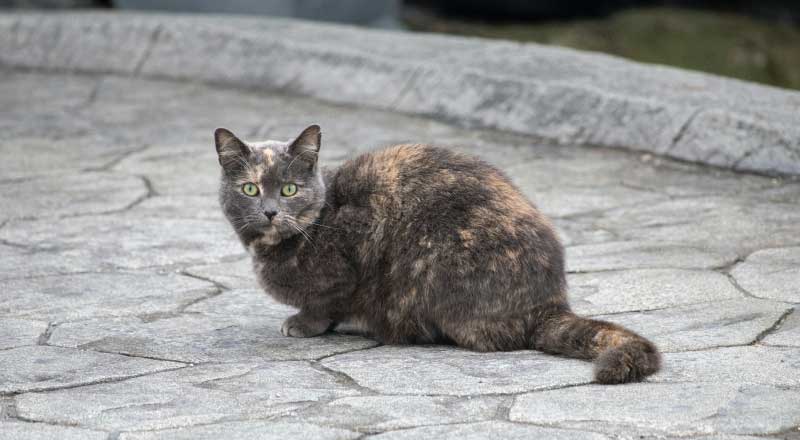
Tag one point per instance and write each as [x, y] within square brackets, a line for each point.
[128, 310]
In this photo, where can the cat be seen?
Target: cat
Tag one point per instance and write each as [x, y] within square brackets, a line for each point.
[416, 245]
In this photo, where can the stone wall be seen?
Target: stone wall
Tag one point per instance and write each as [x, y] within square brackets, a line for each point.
[559, 94]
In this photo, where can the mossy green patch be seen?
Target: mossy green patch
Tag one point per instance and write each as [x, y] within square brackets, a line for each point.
[725, 44]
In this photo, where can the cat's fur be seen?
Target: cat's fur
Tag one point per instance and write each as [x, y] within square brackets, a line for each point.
[417, 245]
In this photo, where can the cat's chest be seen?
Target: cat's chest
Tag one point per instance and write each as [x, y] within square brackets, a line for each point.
[283, 280]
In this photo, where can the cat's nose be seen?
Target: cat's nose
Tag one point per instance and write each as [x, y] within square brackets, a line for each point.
[270, 214]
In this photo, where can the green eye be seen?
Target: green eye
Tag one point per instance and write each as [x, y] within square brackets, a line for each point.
[250, 189]
[289, 190]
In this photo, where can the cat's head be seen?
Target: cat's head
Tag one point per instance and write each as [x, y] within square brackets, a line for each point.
[270, 190]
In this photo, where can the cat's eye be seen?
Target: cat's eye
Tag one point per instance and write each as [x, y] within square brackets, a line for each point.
[288, 189]
[250, 189]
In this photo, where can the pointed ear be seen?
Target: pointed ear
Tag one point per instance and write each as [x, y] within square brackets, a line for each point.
[230, 150]
[305, 148]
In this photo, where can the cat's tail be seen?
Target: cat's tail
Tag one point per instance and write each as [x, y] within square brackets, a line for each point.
[620, 355]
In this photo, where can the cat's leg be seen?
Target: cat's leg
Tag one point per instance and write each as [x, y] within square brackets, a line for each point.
[305, 325]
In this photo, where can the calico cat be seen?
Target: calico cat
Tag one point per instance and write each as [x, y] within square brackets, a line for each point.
[415, 244]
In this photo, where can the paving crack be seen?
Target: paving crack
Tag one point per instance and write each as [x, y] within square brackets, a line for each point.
[44, 338]
[151, 44]
[409, 83]
[93, 382]
[343, 379]
[771, 329]
[322, 358]
[47, 422]
[89, 347]
[115, 161]
[682, 131]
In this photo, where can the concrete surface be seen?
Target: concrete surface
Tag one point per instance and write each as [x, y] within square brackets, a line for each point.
[128, 310]
[564, 96]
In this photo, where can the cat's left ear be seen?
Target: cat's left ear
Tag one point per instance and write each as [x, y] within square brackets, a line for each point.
[232, 152]
[305, 148]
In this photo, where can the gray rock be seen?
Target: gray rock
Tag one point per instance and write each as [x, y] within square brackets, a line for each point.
[642, 255]
[452, 371]
[79, 296]
[680, 409]
[701, 326]
[386, 413]
[39, 431]
[493, 429]
[62, 195]
[788, 333]
[245, 430]
[203, 338]
[41, 368]
[192, 396]
[771, 273]
[646, 289]
[18, 332]
[107, 242]
[235, 274]
[777, 366]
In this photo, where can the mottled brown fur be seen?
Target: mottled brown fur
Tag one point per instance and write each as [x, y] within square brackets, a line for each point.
[416, 244]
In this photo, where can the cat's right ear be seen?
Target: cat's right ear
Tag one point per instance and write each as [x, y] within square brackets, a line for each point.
[231, 151]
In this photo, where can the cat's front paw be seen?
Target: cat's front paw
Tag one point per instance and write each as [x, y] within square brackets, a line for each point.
[303, 326]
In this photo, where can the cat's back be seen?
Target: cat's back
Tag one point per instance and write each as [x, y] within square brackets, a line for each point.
[427, 193]
[410, 176]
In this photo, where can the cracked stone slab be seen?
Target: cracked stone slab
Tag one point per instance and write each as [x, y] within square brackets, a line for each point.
[40, 368]
[168, 168]
[491, 429]
[384, 413]
[58, 195]
[566, 201]
[192, 396]
[180, 206]
[680, 409]
[234, 274]
[701, 326]
[244, 302]
[41, 91]
[776, 366]
[203, 338]
[642, 255]
[39, 431]
[246, 430]
[726, 223]
[771, 273]
[30, 152]
[646, 289]
[453, 371]
[788, 333]
[79, 296]
[120, 241]
[18, 332]
[18, 262]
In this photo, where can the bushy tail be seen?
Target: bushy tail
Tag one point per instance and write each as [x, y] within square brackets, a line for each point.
[620, 355]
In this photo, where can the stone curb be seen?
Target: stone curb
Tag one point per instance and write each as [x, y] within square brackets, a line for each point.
[559, 94]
